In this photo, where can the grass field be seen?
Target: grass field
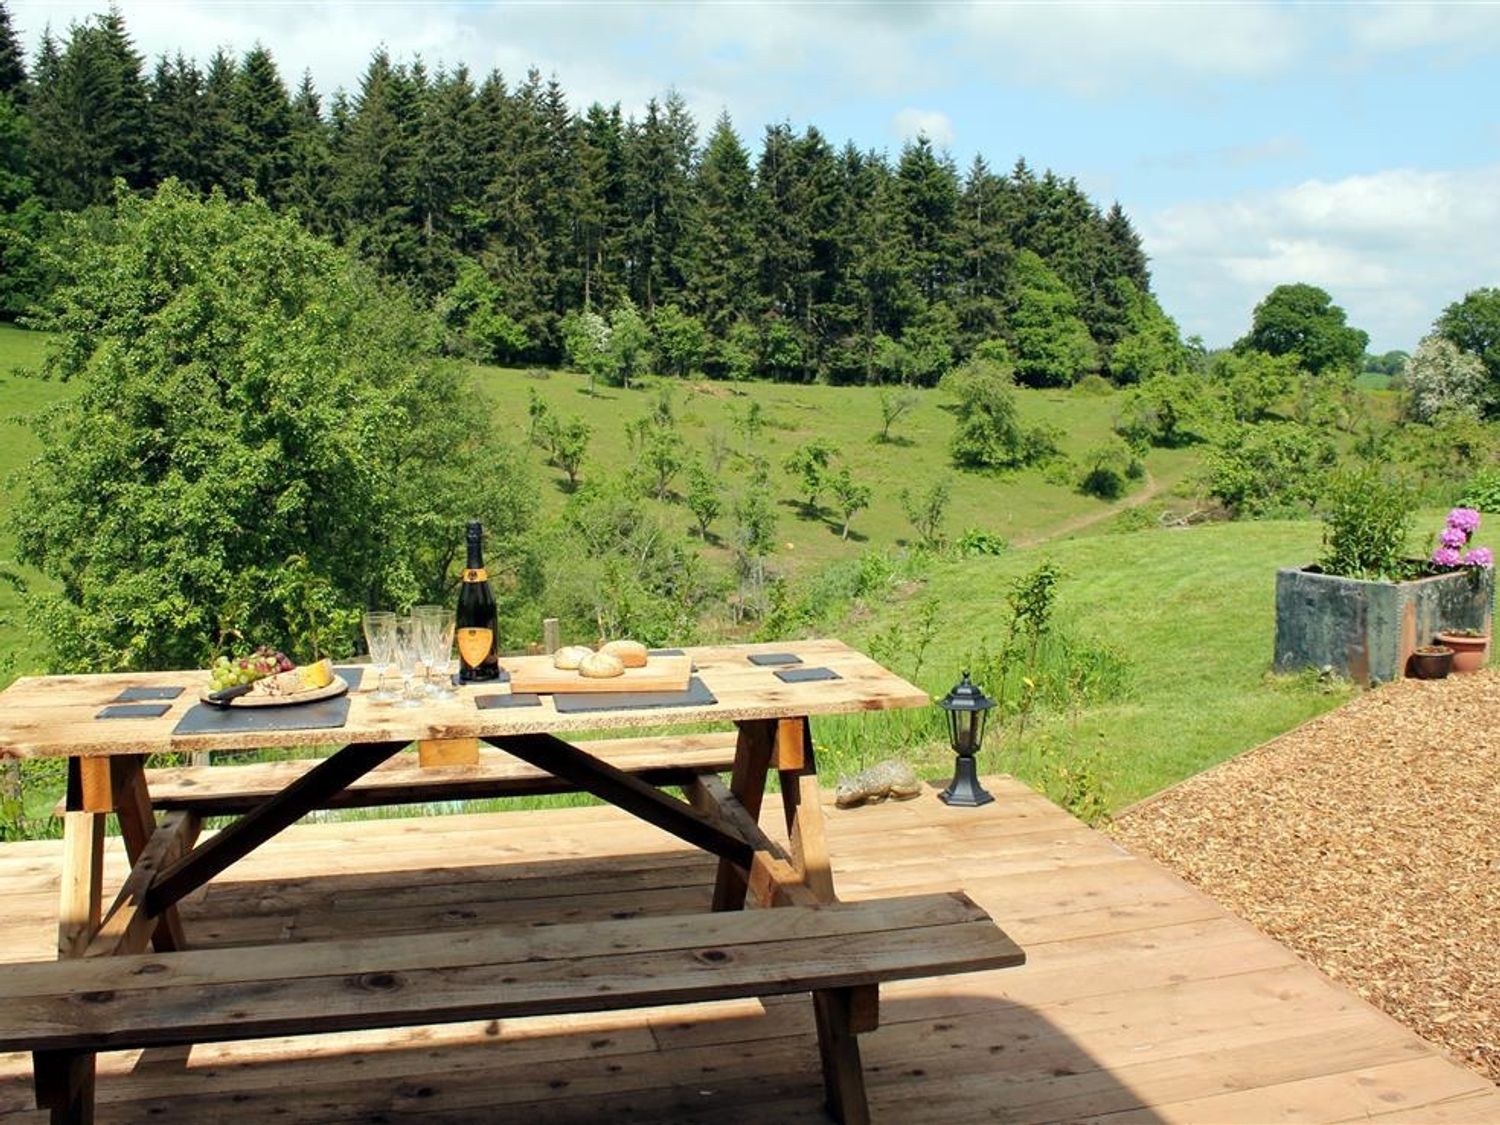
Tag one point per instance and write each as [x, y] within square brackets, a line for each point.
[20, 396]
[1018, 506]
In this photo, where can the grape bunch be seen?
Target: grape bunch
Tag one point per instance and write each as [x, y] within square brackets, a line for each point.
[229, 672]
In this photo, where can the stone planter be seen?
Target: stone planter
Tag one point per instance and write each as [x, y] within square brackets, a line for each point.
[1366, 631]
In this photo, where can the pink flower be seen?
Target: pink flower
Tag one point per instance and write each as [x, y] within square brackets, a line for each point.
[1453, 537]
[1464, 519]
[1446, 556]
[1480, 556]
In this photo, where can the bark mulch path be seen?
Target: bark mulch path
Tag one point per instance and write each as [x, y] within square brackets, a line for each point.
[1367, 840]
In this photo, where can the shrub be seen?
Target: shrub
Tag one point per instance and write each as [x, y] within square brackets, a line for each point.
[1483, 490]
[259, 445]
[1108, 469]
[1276, 468]
[1367, 522]
[1440, 379]
[976, 541]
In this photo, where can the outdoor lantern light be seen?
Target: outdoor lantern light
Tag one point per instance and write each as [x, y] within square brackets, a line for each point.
[967, 708]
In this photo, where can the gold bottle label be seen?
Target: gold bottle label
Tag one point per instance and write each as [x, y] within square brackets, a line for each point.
[480, 575]
[474, 645]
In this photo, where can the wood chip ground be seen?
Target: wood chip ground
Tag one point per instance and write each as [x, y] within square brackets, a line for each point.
[1367, 840]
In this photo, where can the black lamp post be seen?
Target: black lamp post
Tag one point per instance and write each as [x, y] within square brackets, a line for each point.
[967, 708]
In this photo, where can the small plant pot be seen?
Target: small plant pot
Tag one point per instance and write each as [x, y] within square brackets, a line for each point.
[1431, 662]
[1469, 652]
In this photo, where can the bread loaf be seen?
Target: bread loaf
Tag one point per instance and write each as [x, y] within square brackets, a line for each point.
[568, 658]
[632, 654]
[600, 666]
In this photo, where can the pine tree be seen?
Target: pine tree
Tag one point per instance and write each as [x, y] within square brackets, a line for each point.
[12, 59]
[717, 255]
[310, 159]
[175, 113]
[599, 223]
[660, 153]
[983, 256]
[263, 113]
[88, 115]
[373, 189]
[222, 157]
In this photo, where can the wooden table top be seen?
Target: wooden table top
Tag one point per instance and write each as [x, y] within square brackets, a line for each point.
[54, 716]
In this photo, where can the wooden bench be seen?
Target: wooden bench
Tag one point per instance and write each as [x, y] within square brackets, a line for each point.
[227, 789]
[65, 1011]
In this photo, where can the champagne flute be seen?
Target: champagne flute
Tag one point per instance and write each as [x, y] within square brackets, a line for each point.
[438, 624]
[380, 639]
[408, 659]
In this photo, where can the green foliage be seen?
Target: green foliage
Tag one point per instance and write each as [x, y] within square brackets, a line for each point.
[1108, 469]
[988, 433]
[1168, 411]
[850, 497]
[622, 571]
[587, 337]
[1438, 456]
[925, 511]
[1250, 384]
[569, 441]
[1273, 469]
[629, 342]
[679, 341]
[1483, 490]
[893, 404]
[704, 497]
[1051, 343]
[1302, 321]
[472, 310]
[1367, 518]
[975, 542]
[809, 464]
[258, 446]
[1151, 345]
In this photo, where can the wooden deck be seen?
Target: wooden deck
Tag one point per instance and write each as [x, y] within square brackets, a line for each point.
[1142, 999]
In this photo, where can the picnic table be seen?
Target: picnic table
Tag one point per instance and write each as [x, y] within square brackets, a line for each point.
[483, 742]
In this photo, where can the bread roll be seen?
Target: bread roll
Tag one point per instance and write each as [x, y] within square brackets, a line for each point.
[568, 658]
[632, 654]
[600, 666]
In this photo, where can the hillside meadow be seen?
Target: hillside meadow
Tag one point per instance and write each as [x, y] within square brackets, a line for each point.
[1189, 612]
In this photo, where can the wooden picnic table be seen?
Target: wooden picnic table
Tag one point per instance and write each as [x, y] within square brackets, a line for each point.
[57, 717]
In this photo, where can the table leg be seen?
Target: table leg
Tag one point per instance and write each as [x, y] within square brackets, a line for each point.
[65, 1083]
[797, 767]
[137, 826]
[752, 761]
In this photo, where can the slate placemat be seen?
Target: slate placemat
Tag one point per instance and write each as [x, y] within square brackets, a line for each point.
[696, 695]
[664, 652]
[352, 674]
[325, 714]
[770, 659]
[514, 699]
[142, 694]
[134, 711]
[806, 675]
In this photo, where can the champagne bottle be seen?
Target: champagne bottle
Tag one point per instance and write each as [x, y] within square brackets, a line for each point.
[477, 657]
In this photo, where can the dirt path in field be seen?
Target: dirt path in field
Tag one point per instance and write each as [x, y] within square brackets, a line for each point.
[1147, 492]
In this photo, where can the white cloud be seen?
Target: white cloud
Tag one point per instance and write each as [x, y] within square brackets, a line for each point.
[910, 123]
[1393, 248]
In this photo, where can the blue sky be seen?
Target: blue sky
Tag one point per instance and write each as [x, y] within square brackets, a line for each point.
[1353, 146]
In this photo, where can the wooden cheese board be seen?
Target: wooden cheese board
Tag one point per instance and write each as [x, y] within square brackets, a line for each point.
[327, 691]
[537, 675]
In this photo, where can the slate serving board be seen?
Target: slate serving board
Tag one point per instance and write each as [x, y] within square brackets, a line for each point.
[771, 659]
[143, 694]
[134, 711]
[696, 695]
[807, 675]
[325, 714]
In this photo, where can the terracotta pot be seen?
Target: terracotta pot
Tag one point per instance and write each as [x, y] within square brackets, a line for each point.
[1469, 653]
[1431, 662]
